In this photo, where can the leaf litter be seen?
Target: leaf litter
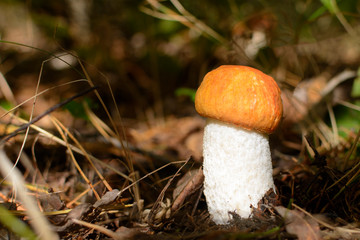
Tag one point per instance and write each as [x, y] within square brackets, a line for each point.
[179, 204]
[148, 177]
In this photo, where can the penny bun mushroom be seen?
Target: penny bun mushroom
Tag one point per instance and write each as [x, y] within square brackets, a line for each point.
[242, 106]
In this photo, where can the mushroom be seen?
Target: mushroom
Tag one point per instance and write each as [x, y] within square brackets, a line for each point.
[242, 106]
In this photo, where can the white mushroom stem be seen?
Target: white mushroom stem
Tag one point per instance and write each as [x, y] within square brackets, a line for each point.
[237, 169]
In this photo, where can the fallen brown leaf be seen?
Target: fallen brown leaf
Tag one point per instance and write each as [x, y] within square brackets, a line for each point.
[304, 227]
[187, 185]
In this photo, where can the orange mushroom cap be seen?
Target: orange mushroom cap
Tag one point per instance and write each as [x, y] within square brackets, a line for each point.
[240, 95]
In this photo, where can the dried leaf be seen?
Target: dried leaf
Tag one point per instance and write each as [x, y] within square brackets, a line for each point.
[51, 202]
[84, 212]
[304, 227]
[107, 199]
[186, 186]
[174, 135]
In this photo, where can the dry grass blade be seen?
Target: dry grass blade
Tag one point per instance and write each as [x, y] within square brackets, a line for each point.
[184, 17]
[199, 24]
[342, 19]
[27, 126]
[30, 187]
[53, 213]
[38, 221]
[6, 90]
[336, 80]
[47, 112]
[169, 15]
[350, 152]
[60, 130]
[69, 204]
[349, 105]
[335, 140]
[85, 154]
[325, 133]
[151, 173]
[352, 149]
[122, 137]
[102, 128]
[51, 137]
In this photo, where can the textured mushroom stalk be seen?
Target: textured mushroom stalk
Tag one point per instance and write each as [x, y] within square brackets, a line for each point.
[246, 176]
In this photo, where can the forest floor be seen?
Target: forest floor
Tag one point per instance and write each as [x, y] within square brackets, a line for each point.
[103, 141]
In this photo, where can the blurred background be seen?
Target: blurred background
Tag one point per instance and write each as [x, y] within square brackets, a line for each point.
[153, 55]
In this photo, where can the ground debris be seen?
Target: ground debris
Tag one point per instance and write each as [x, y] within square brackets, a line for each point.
[186, 186]
[296, 223]
[85, 212]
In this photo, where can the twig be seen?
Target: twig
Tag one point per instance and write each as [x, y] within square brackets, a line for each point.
[101, 229]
